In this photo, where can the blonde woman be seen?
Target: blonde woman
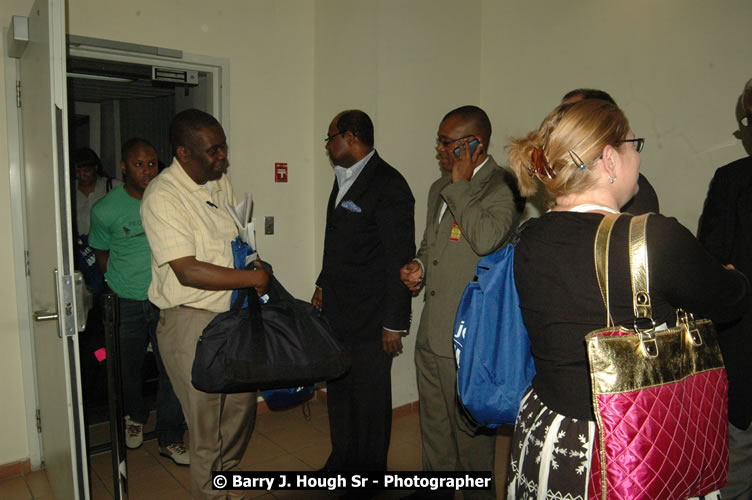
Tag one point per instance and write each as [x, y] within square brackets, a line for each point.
[587, 160]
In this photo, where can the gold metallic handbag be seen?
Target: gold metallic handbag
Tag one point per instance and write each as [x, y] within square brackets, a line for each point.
[660, 396]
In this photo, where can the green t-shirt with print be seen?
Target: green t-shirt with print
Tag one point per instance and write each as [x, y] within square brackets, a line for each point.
[116, 226]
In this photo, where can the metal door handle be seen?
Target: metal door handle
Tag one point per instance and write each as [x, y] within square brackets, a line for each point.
[45, 315]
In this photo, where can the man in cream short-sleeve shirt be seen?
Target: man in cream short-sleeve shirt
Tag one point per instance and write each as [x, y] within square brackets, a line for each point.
[189, 232]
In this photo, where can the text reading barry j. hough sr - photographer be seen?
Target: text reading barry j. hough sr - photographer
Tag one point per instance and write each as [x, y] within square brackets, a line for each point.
[302, 480]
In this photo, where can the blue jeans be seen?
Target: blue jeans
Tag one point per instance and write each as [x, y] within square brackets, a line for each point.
[138, 326]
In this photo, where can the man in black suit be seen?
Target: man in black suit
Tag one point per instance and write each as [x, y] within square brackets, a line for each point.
[726, 231]
[370, 234]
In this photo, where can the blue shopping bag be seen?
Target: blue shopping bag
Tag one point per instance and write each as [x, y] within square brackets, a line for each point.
[279, 399]
[86, 262]
[240, 252]
[492, 348]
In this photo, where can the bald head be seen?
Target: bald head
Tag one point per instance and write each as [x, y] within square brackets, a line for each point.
[475, 119]
[358, 123]
[187, 124]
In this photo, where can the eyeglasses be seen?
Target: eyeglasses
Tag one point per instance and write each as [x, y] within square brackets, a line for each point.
[638, 143]
[447, 142]
[212, 151]
[330, 137]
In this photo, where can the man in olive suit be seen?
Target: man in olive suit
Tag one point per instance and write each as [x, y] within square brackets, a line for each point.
[472, 210]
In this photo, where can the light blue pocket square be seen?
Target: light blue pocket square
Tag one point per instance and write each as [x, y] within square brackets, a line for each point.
[351, 206]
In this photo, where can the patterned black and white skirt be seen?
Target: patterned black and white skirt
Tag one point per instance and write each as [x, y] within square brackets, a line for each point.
[551, 453]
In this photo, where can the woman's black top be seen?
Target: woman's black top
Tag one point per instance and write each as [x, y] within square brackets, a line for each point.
[561, 302]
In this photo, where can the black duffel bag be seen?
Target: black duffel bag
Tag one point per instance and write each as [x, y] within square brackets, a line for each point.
[285, 342]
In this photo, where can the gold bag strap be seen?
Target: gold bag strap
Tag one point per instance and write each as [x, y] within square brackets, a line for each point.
[638, 264]
[600, 253]
[638, 267]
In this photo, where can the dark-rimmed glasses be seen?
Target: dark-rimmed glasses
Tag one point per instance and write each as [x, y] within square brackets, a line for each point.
[447, 142]
[330, 137]
[638, 143]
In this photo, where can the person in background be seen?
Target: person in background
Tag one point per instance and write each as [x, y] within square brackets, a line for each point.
[472, 209]
[587, 159]
[370, 234]
[726, 232]
[646, 199]
[123, 256]
[192, 281]
[91, 185]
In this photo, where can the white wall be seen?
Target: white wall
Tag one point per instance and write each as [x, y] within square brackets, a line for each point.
[269, 45]
[676, 67]
[393, 60]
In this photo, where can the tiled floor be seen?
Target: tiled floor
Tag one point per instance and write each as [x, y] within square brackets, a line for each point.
[282, 440]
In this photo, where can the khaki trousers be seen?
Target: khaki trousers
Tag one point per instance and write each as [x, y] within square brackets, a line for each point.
[219, 425]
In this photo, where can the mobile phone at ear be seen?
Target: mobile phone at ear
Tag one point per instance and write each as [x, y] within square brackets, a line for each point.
[473, 146]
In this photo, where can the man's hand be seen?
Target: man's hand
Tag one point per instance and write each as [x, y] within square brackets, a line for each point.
[262, 279]
[317, 300]
[462, 167]
[411, 275]
[392, 342]
[102, 256]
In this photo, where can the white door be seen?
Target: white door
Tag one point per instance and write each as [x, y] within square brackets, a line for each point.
[45, 137]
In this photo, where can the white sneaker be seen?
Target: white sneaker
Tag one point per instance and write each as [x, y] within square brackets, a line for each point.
[134, 433]
[177, 452]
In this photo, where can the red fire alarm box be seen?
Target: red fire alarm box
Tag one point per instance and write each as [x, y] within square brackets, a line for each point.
[280, 172]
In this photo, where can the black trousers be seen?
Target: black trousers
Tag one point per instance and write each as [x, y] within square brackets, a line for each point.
[360, 410]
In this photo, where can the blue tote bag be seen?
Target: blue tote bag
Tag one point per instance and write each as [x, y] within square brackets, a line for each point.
[492, 348]
[281, 399]
[240, 253]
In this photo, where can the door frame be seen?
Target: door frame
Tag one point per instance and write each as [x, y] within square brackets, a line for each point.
[20, 239]
[218, 68]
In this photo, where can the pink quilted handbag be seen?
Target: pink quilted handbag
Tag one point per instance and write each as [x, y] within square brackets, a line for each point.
[660, 397]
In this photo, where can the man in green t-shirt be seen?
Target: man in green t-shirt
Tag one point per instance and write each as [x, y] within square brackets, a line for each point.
[123, 255]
